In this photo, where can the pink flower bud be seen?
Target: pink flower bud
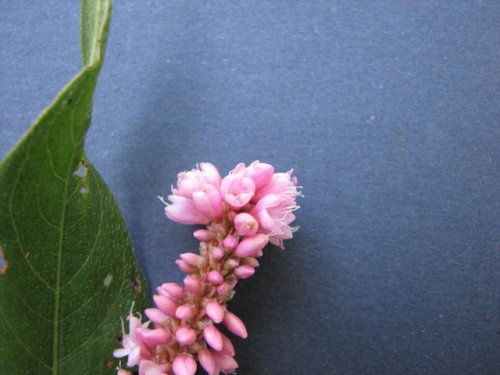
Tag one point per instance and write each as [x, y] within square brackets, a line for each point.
[192, 284]
[244, 272]
[211, 173]
[231, 263]
[184, 266]
[224, 362]
[224, 288]
[184, 364]
[174, 290]
[207, 360]
[251, 261]
[185, 312]
[193, 259]
[203, 235]
[162, 291]
[245, 224]
[237, 189]
[214, 311]
[235, 325]
[227, 346]
[217, 253]
[156, 316]
[213, 337]
[165, 304]
[154, 337]
[230, 242]
[250, 246]
[185, 336]
[260, 173]
[125, 372]
[215, 277]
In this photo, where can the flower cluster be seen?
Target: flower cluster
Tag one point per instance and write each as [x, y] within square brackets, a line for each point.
[242, 212]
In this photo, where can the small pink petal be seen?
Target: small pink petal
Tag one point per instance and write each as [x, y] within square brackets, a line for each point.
[244, 271]
[192, 284]
[214, 311]
[203, 235]
[227, 346]
[250, 246]
[235, 325]
[193, 259]
[245, 224]
[185, 336]
[185, 312]
[184, 266]
[225, 362]
[155, 315]
[230, 242]
[165, 304]
[207, 361]
[154, 337]
[213, 337]
[174, 290]
[215, 277]
[184, 364]
[224, 288]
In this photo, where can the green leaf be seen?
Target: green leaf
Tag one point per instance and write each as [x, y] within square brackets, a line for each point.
[70, 271]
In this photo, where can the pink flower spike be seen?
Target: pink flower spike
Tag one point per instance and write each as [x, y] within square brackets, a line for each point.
[230, 242]
[193, 259]
[225, 362]
[174, 290]
[227, 346]
[185, 336]
[165, 304]
[184, 266]
[260, 173]
[184, 364]
[156, 316]
[213, 337]
[192, 284]
[124, 372]
[154, 337]
[203, 235]
[245, 224]
[244, 272]
[214, 311]
[250, 246]
[215, 277]
[185, 312]
[207, 361]
[235, 325]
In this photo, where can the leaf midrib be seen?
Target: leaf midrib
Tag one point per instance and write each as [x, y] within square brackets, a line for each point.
[57, 289]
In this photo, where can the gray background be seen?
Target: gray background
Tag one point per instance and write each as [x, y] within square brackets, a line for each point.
[387, 110]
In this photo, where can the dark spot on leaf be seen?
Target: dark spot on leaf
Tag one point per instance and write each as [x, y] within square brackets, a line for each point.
[108, 363]
[68, 101]
[3, 261]
[136, 284]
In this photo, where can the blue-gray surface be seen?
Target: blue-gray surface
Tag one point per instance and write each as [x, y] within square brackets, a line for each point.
[387, 110]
